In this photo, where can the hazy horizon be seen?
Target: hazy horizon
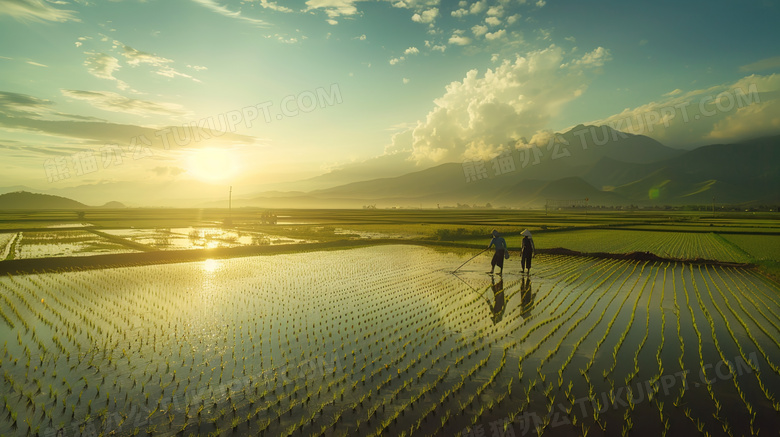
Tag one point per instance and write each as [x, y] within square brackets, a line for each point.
[259, 94]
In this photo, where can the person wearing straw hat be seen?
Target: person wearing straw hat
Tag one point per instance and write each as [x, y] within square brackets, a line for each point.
[527, 251]
[498, 257]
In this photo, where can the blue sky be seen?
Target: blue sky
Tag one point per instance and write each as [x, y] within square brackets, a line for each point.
[421, 81]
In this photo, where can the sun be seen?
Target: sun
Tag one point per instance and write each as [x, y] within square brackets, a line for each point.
[212, 165]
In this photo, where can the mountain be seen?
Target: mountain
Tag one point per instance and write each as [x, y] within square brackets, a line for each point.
[4, 190]
[113, 205]
[746, 172]
[27, 200]
[627, 169]
[588, 144]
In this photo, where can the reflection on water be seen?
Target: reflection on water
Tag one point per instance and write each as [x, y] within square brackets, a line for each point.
[527, 296]
[499, 302]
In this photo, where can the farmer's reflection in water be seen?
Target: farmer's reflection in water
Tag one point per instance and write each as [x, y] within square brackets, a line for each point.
[499, 303]
[527, 297]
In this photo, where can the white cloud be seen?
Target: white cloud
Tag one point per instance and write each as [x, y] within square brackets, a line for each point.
[35, 10]
[512, 19]
[492, 21]
[764, 64]
[479, 116]
[541, 3]
[427, 16]
[495, 35]
[749, 107]
[478, 7]
[415, 4]
[274, 6]
[361, 37]
[333, 8]
[673, 92]
[596, 58]
[496, 11]
[397, 60]
[114, 102]
[405, 80]
[136, 57]
[103, 66]
[459, 40]
[459, 13]
[411, 51]
[479, 30]
[222, 10]
[37, 64]
[439, 47]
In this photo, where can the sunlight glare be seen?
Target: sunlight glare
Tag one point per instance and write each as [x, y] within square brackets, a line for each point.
[210, 165]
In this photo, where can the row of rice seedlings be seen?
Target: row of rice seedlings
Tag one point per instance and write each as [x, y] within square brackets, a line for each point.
[642, 342]
[584, 297]
[726, 426]
[573, 325]
[630, 323]
[584, 372]
[717, 414]
[737, 387]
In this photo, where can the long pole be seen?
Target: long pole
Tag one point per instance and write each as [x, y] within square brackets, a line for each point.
[480, 253]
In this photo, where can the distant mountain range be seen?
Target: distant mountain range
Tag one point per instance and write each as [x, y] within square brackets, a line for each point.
[594, 162]
[37, 201]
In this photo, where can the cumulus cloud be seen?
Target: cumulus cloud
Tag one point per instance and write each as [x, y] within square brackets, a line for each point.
[427, 16]
[35, 10]
[459, 40]
[274, 6]
[414, 4]
[333, 8]
[492, 21]
[114, 102]
[596, 58]
[482, 115]
[411, 51]
[749, 107]
[495, 35]
[478, 7]
[479, 30]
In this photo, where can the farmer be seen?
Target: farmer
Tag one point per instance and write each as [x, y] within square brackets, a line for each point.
[498, 256]
[527, 251]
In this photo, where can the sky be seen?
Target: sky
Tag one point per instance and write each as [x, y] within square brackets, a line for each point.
[260, 93]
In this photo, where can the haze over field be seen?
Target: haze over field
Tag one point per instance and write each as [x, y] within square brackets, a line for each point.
[168, 103]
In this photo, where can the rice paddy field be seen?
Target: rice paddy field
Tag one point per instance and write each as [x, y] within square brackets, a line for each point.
[384, 338]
